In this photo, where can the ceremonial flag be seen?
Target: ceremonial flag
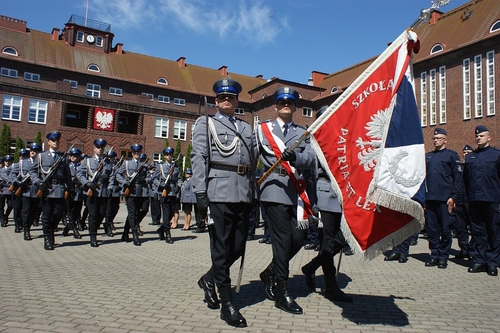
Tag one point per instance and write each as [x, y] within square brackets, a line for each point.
[370, 142]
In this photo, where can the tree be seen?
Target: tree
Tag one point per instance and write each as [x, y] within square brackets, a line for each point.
[38, 138]
[166, 143]
[5, 140]
[188, 157]
[19, 146]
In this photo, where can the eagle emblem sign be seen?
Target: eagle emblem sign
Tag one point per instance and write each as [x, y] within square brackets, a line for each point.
[104, 119]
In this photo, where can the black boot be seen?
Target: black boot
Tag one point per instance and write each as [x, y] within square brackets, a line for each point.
[160, 231]
[48, 244]
[65, 231]
[168, 237]
[135, 235]
[284, 300]
[333, 292]
[3, 221]
[112, 225]
[93, 241]
[229, 312]
[81, 225]
[269, 279]
[107, 228]
[208, 285]
[19, 227]
[27, 235]
[309, 271]
[139, 231]
[76, 233]
[126, 229]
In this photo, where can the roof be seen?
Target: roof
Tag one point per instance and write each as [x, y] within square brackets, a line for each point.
[39, 48]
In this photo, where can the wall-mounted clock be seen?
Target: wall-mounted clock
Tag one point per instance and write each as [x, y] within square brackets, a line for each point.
[90, 39]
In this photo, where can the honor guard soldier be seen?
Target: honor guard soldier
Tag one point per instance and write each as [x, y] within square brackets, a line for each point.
[133, 177]
[482, 186]
[167, 182]
[51, 175]
[281, 192]
[74, 202]
[443, 188]
[114, 191]
[5, 194]
[154, 202]
[16, 190]
[223, 163]
[188, 200]
[93, 173]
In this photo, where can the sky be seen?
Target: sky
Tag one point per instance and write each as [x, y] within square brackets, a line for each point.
[287, 39]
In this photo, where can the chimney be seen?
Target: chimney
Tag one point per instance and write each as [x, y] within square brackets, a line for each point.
[223, 70]
[260, 76]
[119, 48]
[181, 62]
[12, 23]
[435, 16]
[55, 34]
[317, 77]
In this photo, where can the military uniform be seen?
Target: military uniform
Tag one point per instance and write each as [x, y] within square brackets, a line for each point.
[74, 202]
[15, 178]
[114, 193]
[5, 195]
[188, 200]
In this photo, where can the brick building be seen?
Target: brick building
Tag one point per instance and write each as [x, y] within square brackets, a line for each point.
[79, 81]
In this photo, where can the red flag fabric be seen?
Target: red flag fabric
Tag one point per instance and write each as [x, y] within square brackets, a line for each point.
[371, 143]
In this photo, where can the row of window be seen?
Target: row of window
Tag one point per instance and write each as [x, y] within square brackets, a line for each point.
[433, 90]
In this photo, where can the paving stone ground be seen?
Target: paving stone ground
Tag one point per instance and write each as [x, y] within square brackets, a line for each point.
[121, 288]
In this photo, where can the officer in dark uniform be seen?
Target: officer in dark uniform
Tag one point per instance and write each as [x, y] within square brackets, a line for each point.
[5, 194]
[280, 195]
[167, 182]
[17, 190]
[135, 190]
[114, 191]
[53, 193]
[223, 166]
[154, 202]
[188, 200]
[482, 186]
[443, 188]
[74, 202]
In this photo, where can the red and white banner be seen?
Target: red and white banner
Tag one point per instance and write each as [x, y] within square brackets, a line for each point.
[104, 119]
[370, 142]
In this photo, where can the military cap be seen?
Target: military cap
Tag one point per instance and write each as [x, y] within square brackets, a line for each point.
[100, 143]
[75, 151]
[136, 147]
[168, 151]
[481, 129]
[9, 158]
[35, 146]
[111, 154]
[440, 130]
[143, 156]
[1, 159]
[286, 93]
[189, 172]
[53, 135]
[227, 87]
[468, 147]
[23, 152]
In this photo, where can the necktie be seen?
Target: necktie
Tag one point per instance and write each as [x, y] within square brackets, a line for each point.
[233, 121]
[285, 129]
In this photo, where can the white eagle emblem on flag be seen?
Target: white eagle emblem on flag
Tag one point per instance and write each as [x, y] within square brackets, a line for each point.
[104, 119]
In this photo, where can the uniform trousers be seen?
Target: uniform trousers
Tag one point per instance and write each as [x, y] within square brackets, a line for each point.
[5, 200]
[97, 210]
[287, 240]
[462, 223]
[155, 209]
[438, 223]
[74, 210]
[485, 227]
[137, 208]
[17, 208]
[52, 210]
[168, 207]
[112, 207]
[228, 235]
[29, 211]
[329, 246]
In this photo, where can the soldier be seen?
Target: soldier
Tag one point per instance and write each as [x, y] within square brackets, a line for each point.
[223, 163]
[114, 191]
[188, 200]
[5, 194]
[74, 202]
[482, 186]
[16, 189]
[93, 173]
[155, 203]
[133, 177]
[280, 194]
[167, 181]
[51, 175]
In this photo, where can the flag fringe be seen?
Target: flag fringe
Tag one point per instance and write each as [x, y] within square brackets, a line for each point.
[398, 203]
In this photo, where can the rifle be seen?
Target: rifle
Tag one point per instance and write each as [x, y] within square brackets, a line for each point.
[19, 183]
[164, 193]
[53, 169]
[134, 176]
[97, 173]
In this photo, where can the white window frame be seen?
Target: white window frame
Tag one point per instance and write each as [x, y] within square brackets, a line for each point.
[423, 99]
[239, 111]
[432, 97]
[99, 41]
[307, 112]
[490, 83]
[14, 106]
[115, 91]
[161, 127]
[478, 86]
[151, 96]
[180, 130]
[162, 80]
[39, 108]
[466, 89]
[442, 95]
[10, 50]
[179, 101]
[436, 48]
[93, 90]
[8, 72]
[256, 120]
[33, 77]
[93, 68]
[73, 84]
[80, 37]
[163, 99]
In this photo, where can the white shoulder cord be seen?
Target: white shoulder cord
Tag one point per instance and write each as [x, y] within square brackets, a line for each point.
[89, 171]
[223, 150]
[40, 164]
[260, 136]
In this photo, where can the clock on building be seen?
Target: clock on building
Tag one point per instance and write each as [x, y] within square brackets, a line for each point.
[90, 38]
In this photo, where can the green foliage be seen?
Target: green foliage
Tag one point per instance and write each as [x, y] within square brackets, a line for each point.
[38, 138]
[187, 164]
[19, 146]
[259, 164]
[5, 140]
[166, 143]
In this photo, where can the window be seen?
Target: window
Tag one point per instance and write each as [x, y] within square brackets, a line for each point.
[73, 114]
[11, 107]
[74, 84]
[256, 120]
[180, 127]
[99, 42]
[490, 83]
[334, 90]
[8, 72]
[495, 26]
[239, 111]
[466, 88]
[161, 128]
[436, 48]
[307, 112]
[115, 91]
[32, 77]
[442, 95]
[10, 50]
[163, 99]
[432, 93]
[93, 68]
[151, 96]
[478, 86]
[38, 111]
[162, 80]
[79, 36]
[423, 99]
[211, 105]
[179, 101]
[93, 90]
[76, 115]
